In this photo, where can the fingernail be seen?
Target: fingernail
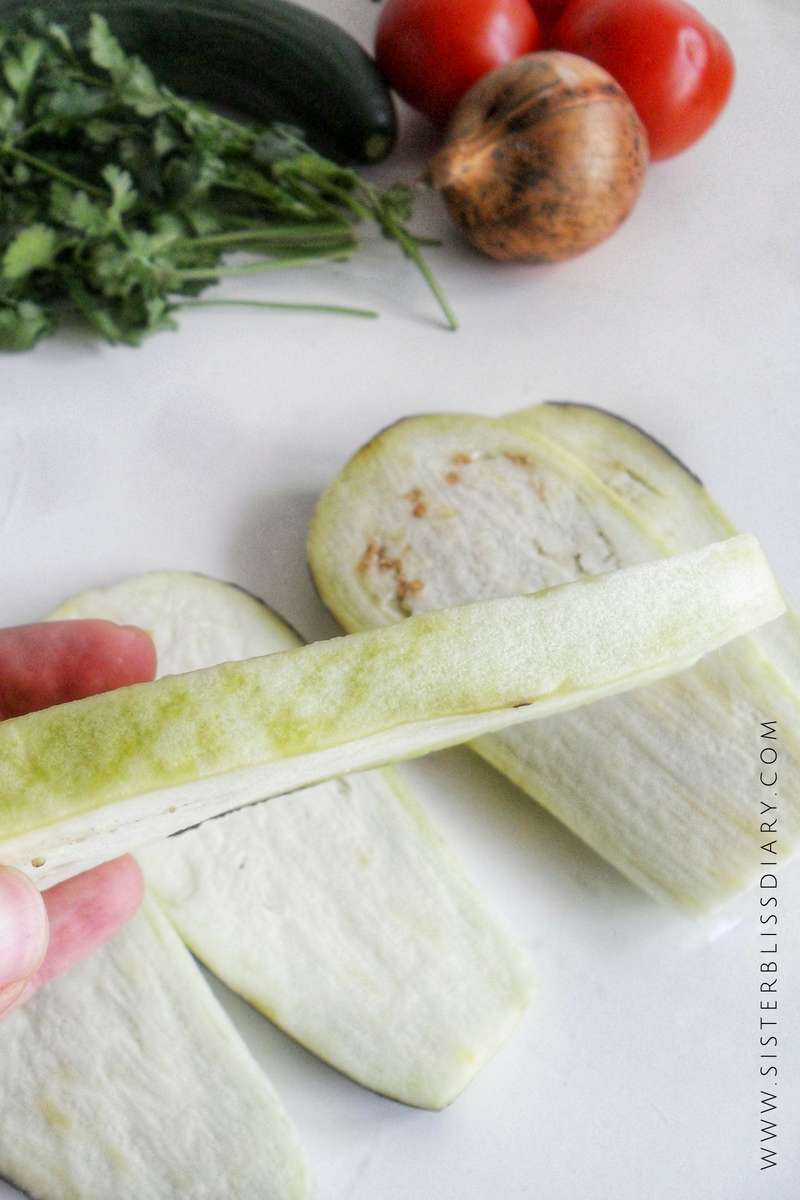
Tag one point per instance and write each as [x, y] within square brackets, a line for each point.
[23, 927]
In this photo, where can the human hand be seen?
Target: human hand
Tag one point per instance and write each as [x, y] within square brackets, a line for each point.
[44, 933]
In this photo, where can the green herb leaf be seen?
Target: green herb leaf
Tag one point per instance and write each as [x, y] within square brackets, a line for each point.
[135, 83]
[59, 35]
[76, 211]
[76, 101]
[123, 194]
[19, 72]
[8, 112]
[106, 51]
[118, 199]
[22, 325]
[32, 248]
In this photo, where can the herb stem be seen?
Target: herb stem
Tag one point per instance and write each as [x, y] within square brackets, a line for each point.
[175, 189]
[318, 236]
[328, 308]
[411, 249]
[409, 244]
[41, 165]
[272, 264]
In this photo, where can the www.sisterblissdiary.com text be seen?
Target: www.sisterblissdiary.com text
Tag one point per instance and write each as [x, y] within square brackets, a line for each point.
[768, 964]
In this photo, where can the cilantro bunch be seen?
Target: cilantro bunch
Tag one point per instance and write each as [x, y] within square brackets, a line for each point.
[119, 200]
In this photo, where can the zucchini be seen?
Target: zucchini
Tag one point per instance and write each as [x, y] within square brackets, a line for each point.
[339, 911]
[662, 782]
[267, 59]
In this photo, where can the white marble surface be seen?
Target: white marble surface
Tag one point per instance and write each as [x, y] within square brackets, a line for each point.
[636, 1071]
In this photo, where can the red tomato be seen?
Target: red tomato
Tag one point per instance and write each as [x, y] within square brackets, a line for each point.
[676, 68]
[432, 51]
[547, 13]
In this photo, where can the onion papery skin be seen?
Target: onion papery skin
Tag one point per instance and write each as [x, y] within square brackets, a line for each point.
[543, 159]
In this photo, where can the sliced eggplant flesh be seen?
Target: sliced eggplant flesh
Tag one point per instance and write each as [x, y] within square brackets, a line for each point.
[80, 783]
[645, 475]
[124, 1078]
[446, 506]
[656, 487]
[337, 911]
[660, 781]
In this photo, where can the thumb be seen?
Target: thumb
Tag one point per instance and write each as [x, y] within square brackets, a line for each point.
[23, 934]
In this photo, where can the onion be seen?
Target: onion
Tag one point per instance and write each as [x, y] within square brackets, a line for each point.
[543, 158]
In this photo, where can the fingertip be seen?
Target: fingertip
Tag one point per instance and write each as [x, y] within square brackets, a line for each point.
[57, 661]
[23, 932]
[104, 656]
[137, 652]
[87, 910]
[147, 647]
[121, 882]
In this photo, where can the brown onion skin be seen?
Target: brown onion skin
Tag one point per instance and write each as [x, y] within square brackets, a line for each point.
[543, 158]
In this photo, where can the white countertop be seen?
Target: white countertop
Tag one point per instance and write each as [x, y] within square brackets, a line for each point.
[635, 1073]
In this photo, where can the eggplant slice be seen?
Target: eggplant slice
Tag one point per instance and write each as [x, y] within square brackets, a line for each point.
[124, 1078]
[84, 782]
[657, 487]
[337, 911]
[662, 781]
